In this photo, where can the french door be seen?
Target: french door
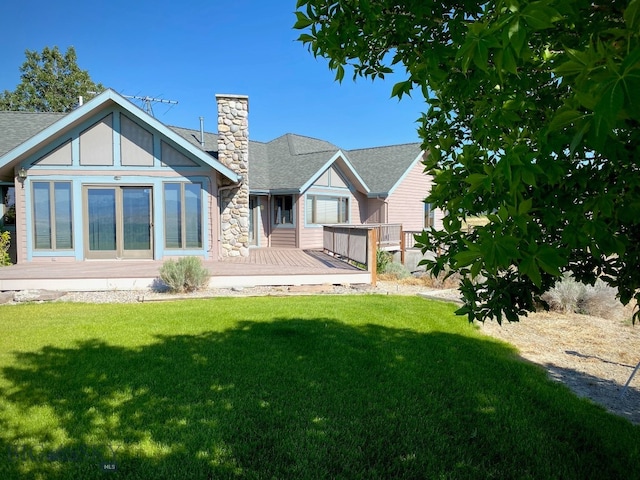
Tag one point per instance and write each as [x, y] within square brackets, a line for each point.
[118, 222]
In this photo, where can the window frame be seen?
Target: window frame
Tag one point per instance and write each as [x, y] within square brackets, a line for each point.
[52, 216]
[274, 211]
[183, 218]
[312, 198]
[429, 215]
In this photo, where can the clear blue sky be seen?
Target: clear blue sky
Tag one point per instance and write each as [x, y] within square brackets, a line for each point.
[190, 50]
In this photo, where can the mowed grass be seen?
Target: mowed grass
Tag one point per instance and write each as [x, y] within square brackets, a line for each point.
[296, 387]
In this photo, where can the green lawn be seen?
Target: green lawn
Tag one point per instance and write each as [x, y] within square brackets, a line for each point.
[289, 387]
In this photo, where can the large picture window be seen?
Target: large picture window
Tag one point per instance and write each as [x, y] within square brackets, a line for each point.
[52, 217]
[183, 215]
[327, 210]
[283, 209]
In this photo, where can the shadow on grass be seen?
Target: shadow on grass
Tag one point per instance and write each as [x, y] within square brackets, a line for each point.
[300, 399]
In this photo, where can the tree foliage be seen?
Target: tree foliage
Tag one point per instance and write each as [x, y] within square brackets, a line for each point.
[532, 117]
[51, 82]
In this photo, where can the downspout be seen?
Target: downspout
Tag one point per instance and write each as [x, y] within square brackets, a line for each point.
[269, 219]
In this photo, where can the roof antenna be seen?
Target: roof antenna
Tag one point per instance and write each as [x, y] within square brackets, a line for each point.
[147, 102]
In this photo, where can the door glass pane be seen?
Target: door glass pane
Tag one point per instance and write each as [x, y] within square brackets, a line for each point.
[62, 199]
[193, 215]
[172, 216]
[102, 218]
[42, 215]
[136, 210]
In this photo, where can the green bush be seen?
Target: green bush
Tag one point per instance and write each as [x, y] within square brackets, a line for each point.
[184, 275]
[382, 260]
[5, 240]
[398, 270]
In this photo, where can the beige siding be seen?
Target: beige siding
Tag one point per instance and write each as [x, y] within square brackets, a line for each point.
[172, 158]
[136, 144]
[60, 156]
[96, 143]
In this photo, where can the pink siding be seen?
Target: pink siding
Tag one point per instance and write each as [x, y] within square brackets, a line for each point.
[283, 237]
[312, 237]
[405, 204]
[21, 223]
[376, 211]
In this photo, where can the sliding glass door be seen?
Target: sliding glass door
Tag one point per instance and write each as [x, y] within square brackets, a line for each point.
[118, 222]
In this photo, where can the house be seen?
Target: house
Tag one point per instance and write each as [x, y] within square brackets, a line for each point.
[109, 181]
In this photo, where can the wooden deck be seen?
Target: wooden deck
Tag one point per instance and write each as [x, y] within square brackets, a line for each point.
[263, 266]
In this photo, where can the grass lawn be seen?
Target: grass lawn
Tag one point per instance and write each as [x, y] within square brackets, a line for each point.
[289, 387]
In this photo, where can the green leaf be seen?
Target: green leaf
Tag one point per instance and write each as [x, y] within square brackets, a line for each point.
[302, 21]
[529, 268]
[466, 257]
[402, 88]
[550, 260]
[632, 14]
[525, 206]
[517, 36]
[564, 117]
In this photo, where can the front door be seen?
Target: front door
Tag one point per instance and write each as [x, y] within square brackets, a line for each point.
[118, 222]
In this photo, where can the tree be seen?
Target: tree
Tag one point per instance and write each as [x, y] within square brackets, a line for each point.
[532, 118]
[51, 82]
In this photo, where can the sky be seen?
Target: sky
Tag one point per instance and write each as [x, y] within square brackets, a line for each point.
[188, 51]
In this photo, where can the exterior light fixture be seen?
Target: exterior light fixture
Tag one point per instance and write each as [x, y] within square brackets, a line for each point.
[22, 174]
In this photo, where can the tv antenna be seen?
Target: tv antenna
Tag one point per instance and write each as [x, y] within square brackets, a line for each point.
[147, 102]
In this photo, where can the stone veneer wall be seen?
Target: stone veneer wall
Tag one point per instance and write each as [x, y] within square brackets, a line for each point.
[233, 152]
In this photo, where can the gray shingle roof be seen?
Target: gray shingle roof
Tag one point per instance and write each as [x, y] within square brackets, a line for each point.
[382, 167]
[284, 164]
[18, 127]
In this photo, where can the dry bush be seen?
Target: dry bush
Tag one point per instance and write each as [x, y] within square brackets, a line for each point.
[598, 300]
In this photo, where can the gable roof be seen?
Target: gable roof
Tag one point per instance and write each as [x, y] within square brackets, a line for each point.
[288, 164]
[383, 168]
[58, 126]
[18, 127]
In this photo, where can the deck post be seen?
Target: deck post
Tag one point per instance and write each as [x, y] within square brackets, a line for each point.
[402, 245]
[372, 260]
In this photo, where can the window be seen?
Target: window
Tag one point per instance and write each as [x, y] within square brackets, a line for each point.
[8, 205]
[183, 215]
[429, 215]
[325, 209]
[283, 210]
[52, 217]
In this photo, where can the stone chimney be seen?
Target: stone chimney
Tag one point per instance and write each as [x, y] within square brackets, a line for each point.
[233, 152]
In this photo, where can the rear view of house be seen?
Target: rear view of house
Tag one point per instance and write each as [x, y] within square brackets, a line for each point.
[108, 181]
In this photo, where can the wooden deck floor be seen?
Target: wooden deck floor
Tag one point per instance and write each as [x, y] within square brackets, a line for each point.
[262, 267]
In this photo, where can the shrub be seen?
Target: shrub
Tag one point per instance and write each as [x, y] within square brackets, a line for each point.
[396, 269]
[382, 260]
[570, 296]
[5, 240]
[184, 275]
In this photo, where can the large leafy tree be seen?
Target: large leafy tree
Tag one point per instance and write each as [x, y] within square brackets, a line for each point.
[51, 82]
[532, 117]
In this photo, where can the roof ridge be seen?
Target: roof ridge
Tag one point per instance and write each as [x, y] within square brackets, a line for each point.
[385, 146]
